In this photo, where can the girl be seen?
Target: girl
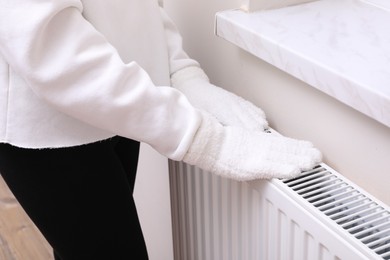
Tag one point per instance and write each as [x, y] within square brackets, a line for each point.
[81, 84]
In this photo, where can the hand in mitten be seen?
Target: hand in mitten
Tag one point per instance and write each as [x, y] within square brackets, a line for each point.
[228, 108]
[242, 154]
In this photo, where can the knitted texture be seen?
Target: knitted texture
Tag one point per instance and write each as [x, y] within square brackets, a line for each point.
[227, 107]
[242, 154]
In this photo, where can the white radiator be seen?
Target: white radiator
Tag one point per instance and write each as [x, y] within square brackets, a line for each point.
[319, 215]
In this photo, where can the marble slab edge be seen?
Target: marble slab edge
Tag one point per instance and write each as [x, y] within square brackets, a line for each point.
[346, 90]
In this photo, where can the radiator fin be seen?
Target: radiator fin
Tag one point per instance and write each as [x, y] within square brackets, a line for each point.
[362, 217]
[319, 215]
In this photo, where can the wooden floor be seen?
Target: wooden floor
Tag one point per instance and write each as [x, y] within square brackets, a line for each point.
[19, 238]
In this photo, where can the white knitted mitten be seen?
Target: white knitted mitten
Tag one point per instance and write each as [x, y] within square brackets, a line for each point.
[241, 154]
[228, 108]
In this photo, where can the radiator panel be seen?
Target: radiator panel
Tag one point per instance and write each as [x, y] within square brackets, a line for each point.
[216, 218]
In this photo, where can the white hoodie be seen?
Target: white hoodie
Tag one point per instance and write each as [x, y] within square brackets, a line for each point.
[74, 72]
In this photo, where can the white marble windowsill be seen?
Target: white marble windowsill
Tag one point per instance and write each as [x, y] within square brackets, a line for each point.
[341, 47]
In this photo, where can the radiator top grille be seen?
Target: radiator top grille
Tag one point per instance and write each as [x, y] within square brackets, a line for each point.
[349, 208]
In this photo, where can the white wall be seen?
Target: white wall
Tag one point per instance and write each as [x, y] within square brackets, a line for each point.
[152, 197]
[353, 144]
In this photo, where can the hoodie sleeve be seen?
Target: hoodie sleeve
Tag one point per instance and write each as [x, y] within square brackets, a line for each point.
[178, 58]
[73, 68]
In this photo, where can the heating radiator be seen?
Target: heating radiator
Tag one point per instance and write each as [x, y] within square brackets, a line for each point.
[320, 215]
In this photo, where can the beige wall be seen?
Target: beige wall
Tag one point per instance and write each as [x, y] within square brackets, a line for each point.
[353, 144]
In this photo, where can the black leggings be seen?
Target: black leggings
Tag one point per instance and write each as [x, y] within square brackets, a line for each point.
[80, 197]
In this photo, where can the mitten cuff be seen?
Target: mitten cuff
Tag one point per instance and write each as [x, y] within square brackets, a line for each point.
[206, 143]
[189, 73]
